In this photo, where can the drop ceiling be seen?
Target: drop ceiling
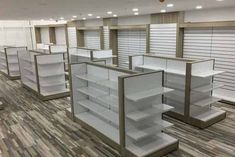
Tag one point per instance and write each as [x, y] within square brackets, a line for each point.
[46, 9]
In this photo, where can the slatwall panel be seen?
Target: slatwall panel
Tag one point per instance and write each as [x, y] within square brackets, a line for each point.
[106, 38]
[197, 43]
[92, 39]
[72, 36]
[163, 39]
[218, 43]
[130, 42]
[45, 35]
[60, 35]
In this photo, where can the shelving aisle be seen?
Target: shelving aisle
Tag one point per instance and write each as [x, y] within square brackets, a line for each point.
[9, 61]
[44, 74]
[193, 83]
[97, 103]
[143, 115]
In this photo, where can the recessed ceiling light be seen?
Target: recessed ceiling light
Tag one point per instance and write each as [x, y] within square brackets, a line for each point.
[109, 12]
[115, 15]
[90, 14]
[163, 11]
[219, 0]
[51, 19]
[98, 17]
[84, 18]
[136, 13]
[62, 18]
[42, 19]
[170, 5]
[135, 9]
[199, 7]
[74, 16]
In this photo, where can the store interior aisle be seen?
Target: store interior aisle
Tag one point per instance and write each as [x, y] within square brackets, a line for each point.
[31, 127]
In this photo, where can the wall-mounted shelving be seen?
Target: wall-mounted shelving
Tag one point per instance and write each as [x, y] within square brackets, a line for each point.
[122, 107]
[44, 74]
[9, 64]
[193, 83]
[77, 55]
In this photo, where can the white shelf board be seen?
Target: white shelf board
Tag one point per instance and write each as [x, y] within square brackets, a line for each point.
[29, 69]
[47, 93]
[12, 54]
[13, 62]
[147, 147]
[14, 69]
[210, 114]
[147, 113]
[208, 74]
[101, 111]
[31, 78]
[90, 78]
[149, 67]
[158, 126]
[100, 125]
[164, 124]
[148, 94]
[81, 55]
[100, 81]
[100, 95]
[110, 100]
[90, 91]
[27, 60]
[155, 68]
[140, 134]
[50, 63]
[208, 88]
[206, 101]
[52, 84]
[3, 58]
[174, 85]
[52, 74]
[2, 64]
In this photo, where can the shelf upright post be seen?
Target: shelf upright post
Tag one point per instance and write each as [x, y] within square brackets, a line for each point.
[122, 131]
[187, 91]
[37, 75]
[7, 65]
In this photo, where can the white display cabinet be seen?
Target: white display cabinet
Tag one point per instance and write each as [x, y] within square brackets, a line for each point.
[121, 107]
[44, 74]
[44, 48]
[9, 64]
[193, 83]
[83, 55]
[54, 49]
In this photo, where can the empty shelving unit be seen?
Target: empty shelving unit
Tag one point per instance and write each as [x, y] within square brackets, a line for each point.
[9, 64]
[193, 83]
[54, 49]
[121, 107]
[84, 54]
[44, 74]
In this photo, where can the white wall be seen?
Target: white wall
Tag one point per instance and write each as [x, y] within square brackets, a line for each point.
[134, 20]
[16, 33]
[95, 22]
[209, 15]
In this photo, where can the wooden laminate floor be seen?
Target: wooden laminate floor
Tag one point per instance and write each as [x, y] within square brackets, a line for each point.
[30, 127]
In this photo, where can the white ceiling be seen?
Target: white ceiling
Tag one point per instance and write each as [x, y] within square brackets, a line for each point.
[45, 9]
